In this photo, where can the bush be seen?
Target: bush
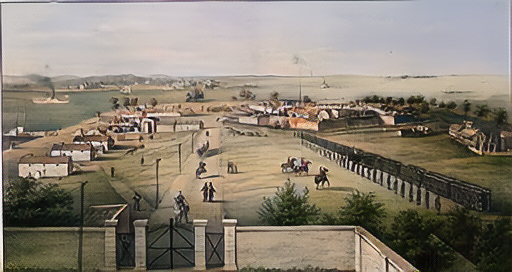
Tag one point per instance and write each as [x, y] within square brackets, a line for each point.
[412, 238]
[31, 203]
[363, 210]
[288, 208]
[451, 105]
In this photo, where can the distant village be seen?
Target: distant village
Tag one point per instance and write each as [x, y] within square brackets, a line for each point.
[134, 122]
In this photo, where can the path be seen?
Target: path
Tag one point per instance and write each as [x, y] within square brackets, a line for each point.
[191, 187]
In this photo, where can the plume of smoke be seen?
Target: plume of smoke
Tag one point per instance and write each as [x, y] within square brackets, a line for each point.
[300, 60]
[44, 81]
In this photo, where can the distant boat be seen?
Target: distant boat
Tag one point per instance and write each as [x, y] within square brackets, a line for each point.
[324, 85]
[50, 100]
[126, 90]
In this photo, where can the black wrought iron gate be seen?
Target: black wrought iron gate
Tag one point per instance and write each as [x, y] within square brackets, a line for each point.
[170, 247]
[125, 256]
[214, 247]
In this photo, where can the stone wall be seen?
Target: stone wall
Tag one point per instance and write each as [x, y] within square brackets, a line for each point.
[345, 248]
[54, 248]
[289, 247]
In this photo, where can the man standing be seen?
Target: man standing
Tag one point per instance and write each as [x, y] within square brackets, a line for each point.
[211, 192]
[205, 192]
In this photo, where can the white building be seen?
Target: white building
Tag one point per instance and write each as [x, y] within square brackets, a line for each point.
[102, 143]
[77, 152]
[43, 166]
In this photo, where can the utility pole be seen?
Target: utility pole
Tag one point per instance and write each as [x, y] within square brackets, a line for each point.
[81, 231]
[157, 162]
[179, 156]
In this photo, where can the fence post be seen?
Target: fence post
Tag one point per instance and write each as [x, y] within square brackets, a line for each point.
[140, 243]
[200, 243]
[229, 244]
[110, 245]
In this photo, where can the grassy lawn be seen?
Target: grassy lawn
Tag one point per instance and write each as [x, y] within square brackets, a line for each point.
[443, 155]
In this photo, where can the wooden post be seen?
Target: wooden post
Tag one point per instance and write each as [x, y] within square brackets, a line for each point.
[179, 156]
[81, 231]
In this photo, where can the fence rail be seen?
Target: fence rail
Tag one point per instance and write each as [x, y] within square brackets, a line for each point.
[472, 196]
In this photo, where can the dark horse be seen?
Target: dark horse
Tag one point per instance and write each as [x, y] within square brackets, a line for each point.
[321, 178]
[200, 170]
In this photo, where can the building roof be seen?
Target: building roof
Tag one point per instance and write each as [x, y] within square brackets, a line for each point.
[95, 216]
[77, 147]
[91, 138]
[45, 159]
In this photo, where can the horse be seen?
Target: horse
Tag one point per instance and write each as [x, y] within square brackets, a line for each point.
[200, 170]
[321, 178]
[304, 167]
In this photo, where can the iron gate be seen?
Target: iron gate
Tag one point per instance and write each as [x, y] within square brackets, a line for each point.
[125, 247]
[170, 246]
[214, 247]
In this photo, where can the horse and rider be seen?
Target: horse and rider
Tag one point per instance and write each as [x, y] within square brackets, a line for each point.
[201, 169]
[296, 165]
[321, 178]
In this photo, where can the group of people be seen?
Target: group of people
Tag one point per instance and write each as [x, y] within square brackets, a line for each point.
[182, 208]
[299, 164]
[208, 192]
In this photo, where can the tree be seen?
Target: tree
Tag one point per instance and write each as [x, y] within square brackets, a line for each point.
[288, 207]
[126, 102]
[306, 99]
[442, 105]
[500, 116]
[433, 101]
[31, 203]
[451, 105]
[424, 107]
[412, 237]
[466, 107]
[411, 100]
[401, 101]
[153, 102]
[495, 247]
[274, 95]
[462, 231]
[363, 210]
[482, 110]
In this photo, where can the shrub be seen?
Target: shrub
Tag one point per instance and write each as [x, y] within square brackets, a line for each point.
[288, 208]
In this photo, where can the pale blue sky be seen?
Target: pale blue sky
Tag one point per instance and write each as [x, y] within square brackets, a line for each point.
[424, 37]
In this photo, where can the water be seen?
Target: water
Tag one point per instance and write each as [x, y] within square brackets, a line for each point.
[81, 106]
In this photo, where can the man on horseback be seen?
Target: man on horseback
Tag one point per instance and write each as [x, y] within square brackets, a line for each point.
[200, 170]
[321, 178]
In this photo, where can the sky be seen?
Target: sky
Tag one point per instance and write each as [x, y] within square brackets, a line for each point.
[423, 37]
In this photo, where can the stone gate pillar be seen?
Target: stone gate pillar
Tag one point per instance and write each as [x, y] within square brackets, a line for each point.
[110, 245]
[140, 243]
[200, 243]
[229, 244]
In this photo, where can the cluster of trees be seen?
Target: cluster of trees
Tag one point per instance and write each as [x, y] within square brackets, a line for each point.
[498, 115]
[127, 102]
[28, 202]
[427, 241]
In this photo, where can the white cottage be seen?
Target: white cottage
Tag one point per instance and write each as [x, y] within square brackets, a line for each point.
[43, 166]
[78, 152]
[102, 143]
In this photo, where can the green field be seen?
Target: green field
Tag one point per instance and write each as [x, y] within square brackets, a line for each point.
[441, 154]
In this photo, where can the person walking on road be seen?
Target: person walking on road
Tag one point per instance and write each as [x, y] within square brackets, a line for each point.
[183, 208]
[136, 202]
[211, 192]
[205, 192]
